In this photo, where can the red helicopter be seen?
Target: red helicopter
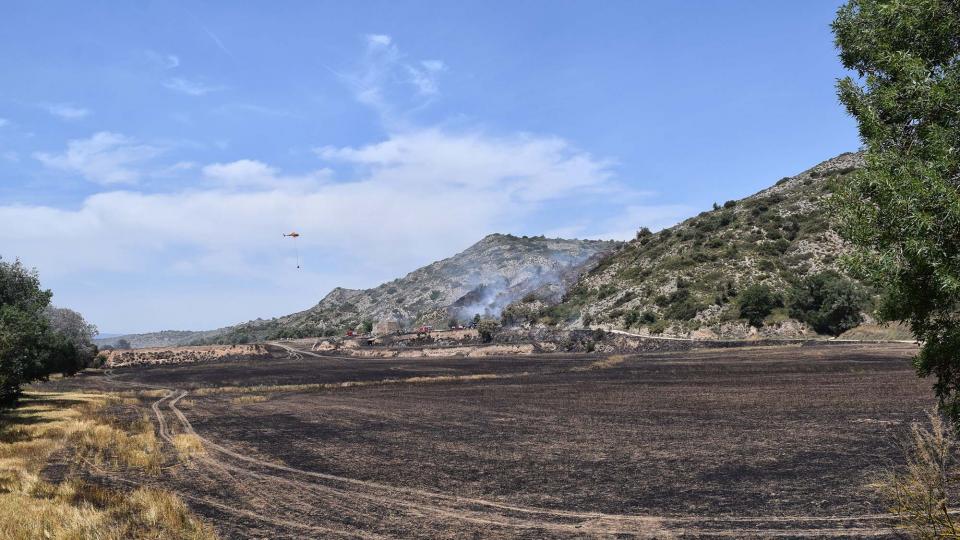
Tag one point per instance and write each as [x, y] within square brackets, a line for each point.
[294, 235]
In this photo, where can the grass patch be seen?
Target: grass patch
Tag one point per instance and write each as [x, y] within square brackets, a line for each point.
[351, 384]
[188, 446]
[921, 493]
[244, 400]
[603, 363]
[50, 423]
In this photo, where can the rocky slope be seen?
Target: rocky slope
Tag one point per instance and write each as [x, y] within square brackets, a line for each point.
[683, 280]
[482, 279]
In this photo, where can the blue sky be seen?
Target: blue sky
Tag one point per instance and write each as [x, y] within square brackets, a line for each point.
[152, 153]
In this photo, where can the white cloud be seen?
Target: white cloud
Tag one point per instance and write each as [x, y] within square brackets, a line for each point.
[523, 167]
[449, 188]
[66, 111]
[191, 88]
[104, 158]
[246, 173]
[378, 40]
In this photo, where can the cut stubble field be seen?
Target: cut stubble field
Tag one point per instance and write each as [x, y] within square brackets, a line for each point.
[776, 441]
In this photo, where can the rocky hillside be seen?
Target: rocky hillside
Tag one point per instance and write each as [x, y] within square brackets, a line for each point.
[684, 280]
[483, 279]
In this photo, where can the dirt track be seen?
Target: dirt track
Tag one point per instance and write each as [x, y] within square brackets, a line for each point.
[733, 443]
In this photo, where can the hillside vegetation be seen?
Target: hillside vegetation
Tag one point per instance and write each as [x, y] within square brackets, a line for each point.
[695, 277]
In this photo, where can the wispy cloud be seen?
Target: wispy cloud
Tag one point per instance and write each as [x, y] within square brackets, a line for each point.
[244, 108]
[191, 88]
[104, 158]
[66, 111]
[162, 60]
[390, 83]
[216, 40]
[379, 40]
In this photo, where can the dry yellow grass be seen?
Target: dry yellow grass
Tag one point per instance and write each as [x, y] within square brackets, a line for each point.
[243, 400]
[188, 445]
[351, 384]
[47, 423]
[603, 363]
[920, 493]
[186, 404]
[136, 446]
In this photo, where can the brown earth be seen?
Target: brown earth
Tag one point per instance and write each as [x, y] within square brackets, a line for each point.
[744, 442]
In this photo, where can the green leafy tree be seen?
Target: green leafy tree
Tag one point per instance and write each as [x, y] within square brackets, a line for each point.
[756, 302]
[902, 210]
[487, 328]
[25, 341]
[828, 302]
[73, 339]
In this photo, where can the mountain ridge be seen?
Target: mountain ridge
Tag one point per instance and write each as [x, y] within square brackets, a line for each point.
[493, 272]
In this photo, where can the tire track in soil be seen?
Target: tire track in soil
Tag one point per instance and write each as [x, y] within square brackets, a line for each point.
[501, 515]
[164, 433]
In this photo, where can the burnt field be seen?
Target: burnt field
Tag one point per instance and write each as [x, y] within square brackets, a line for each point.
[736, 442]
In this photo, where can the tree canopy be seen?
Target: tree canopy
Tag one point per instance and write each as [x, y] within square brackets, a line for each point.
[902, 210]
[756, 302]
[36, 339]
[828, 302]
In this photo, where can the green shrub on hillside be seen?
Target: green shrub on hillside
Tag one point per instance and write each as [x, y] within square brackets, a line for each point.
[828, 302]
[756, 302]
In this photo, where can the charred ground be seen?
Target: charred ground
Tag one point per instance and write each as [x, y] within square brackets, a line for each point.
[736, 442]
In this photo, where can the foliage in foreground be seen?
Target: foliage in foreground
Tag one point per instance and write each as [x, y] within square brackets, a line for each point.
[903, 209]
[921, 494]
[36, 339]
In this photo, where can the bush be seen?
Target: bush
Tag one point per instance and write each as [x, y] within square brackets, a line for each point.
[659, 327]
[828, 302]
[756, 302]
[36, 340]
[487, 328]
[606, 290]
[683, 310]
[920, 493]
